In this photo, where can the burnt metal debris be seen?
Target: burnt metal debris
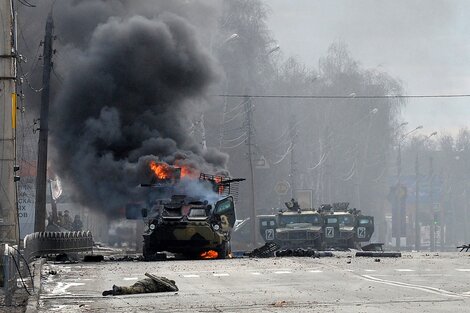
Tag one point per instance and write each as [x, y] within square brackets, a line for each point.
[271, 249]
[265, 251]
[464, 247]
[93, 258]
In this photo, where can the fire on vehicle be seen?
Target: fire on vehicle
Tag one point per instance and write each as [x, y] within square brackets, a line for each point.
[186, 213]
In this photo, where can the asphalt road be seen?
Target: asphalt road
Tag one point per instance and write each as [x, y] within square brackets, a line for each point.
[414, 283]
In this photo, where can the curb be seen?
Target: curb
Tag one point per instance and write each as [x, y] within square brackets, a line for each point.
[33, 300]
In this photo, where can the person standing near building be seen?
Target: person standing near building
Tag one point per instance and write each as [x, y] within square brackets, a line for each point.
[67, 223]
[77, 224]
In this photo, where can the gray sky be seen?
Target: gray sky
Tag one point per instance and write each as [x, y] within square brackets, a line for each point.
[424, 43]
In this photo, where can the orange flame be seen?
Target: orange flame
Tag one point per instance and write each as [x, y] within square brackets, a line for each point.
[218, 180]
[161, 170]
[186, 171]
[211, 254]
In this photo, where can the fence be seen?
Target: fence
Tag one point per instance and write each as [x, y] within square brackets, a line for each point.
[9, 272]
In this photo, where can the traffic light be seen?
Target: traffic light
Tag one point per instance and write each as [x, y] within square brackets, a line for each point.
[436, 218]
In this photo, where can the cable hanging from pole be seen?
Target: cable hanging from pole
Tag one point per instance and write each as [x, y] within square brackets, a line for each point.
[27, 4]
[346, 96]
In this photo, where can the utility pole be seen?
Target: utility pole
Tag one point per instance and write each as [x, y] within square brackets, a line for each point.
[8, 72]
[249, 142]
[293, 169]
[417, 225]
[41, 177]
[398, 202]
[432, 227]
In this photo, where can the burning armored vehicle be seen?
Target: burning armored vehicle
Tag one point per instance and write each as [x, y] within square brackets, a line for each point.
[189, 216]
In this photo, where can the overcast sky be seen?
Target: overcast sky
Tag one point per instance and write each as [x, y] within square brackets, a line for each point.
[424, 43]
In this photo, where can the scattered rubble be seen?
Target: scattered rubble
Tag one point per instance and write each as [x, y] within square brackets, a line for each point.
[271, 249]
[265, 251]
[279, 304]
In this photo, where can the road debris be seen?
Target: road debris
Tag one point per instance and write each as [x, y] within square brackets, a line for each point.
[279, 304]
[464, 247]
[375, 246]
[300, 252]
[271, 249]
[265, 251]
[93, 258]
[127, 258]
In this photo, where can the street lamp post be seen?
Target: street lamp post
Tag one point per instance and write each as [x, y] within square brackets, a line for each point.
[417, 225]
[366, 152]
[400, 213]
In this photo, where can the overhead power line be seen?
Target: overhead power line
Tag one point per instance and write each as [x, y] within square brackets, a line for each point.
[345, 97]
[27, 4]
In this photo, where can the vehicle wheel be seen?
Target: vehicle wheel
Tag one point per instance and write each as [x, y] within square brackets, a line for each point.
[351, 244]
[148, 256]
[225, 250]
[147, 252]
[319, 245]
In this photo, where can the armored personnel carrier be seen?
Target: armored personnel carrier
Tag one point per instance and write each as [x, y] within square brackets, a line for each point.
[190, 227]
[345, 228]
[294, 228]
[330, 227]
[193, 217]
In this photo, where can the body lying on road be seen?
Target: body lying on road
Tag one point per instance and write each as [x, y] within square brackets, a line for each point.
[147, 285]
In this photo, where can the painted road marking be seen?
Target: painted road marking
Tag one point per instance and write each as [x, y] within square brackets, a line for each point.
[220, 274]
[463, 269]
[282, 272]
[412, 286]
[61, 288]
[191, 276]
[255, 273]
[316, 271]
[370, 270]
[404, 270]
[130, 278]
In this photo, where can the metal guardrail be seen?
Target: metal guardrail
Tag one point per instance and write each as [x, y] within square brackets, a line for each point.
[9, 272]
[50, 243]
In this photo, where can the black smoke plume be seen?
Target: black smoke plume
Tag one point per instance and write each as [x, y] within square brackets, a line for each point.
[127, 100]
